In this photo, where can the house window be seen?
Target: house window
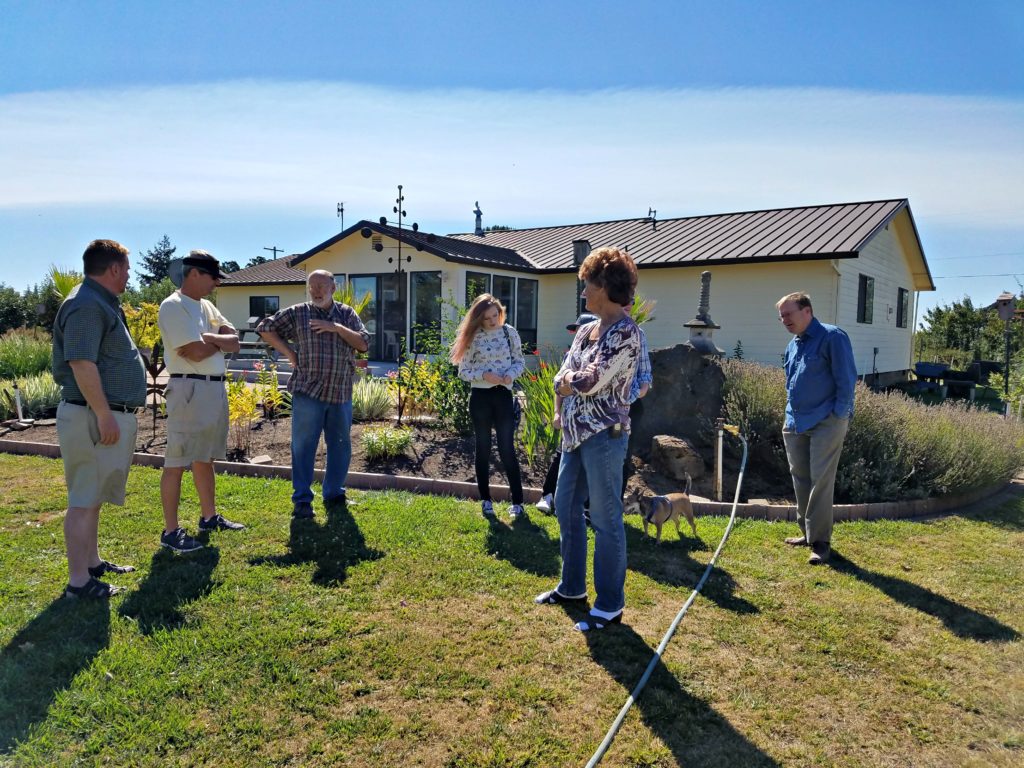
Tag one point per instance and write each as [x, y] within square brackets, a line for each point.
[504, 290]
[902, 307]
[526, 312]
[263, 306]
[339, 281]
[476, 283]
[426, 309]
[865, 299]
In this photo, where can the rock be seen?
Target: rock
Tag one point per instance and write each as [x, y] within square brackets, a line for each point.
[676, 457]
[20, 426]
[261, 459]
[46, 422]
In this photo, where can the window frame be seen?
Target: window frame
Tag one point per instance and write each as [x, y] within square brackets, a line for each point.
[902, 307]
[865, 299]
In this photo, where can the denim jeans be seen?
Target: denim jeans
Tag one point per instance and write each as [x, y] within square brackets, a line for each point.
[593, 469]
[493, 408]
[310, 418]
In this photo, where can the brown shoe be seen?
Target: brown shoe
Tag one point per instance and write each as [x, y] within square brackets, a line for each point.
[820, 551]
[797, 541]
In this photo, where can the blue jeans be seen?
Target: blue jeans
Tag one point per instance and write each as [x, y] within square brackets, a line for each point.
[593, 470]
[310, 418]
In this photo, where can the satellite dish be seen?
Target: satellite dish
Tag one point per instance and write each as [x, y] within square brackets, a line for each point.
[378, 247]
[366, 232]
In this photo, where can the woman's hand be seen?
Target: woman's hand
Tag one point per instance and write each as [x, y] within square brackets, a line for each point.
[507, 380]
[557, 421]
[493, 378]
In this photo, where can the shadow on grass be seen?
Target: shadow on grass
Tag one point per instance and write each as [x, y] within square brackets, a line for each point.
[693, 731]
[670, 563]
[174, 581]
[43, 659]
[525, 545]
[334, 546]
[960, 620]
[1009, 515]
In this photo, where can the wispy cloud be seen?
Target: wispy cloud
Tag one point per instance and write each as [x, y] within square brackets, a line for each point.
[529, 157]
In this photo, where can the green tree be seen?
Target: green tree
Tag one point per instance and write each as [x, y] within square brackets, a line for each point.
[154, 293]
[256, 260]
[156, 262]
[229, 266]
[14, 309]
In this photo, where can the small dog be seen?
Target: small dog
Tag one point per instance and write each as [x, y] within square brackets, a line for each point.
[658, 510]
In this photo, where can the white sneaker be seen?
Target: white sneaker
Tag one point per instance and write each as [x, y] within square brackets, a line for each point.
[546, 504]
[516, 512]
[487, 508]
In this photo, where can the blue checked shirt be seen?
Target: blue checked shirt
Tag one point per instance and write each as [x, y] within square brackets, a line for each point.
[643, 369]
[820, 376]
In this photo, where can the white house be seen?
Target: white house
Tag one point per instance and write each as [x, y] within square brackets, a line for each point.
[862, 263]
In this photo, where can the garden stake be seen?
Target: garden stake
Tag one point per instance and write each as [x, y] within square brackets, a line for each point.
[610, 736]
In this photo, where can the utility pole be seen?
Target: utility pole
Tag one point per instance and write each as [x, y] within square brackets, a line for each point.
[274, 250]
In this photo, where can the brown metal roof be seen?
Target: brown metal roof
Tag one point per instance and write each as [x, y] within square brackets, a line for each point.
[782, 234]
[274, 272]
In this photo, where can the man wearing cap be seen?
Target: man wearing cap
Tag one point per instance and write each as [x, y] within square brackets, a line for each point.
[326, 335]
[103, 381]
[196, 336]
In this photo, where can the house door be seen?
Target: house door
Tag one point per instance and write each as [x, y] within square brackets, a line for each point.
[385, 315]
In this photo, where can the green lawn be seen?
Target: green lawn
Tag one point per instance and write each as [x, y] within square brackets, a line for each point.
[404, 634]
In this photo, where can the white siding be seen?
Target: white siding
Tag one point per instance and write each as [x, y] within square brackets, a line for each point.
[233, 300]
[883, 260]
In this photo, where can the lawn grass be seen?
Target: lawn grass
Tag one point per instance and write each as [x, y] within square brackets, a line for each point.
[403, 633]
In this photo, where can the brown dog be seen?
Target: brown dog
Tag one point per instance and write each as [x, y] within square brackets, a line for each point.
[658, 510]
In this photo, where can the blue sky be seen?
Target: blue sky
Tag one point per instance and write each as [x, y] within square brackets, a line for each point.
[239, 126]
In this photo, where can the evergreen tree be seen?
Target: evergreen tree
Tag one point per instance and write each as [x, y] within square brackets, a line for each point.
[737, 351]
[156, 261]
[229, 266]
[257, 260]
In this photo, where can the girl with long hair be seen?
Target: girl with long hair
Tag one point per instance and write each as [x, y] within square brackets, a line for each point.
[489, 354]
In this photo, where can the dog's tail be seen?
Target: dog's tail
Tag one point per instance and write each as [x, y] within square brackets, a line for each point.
[689, 483]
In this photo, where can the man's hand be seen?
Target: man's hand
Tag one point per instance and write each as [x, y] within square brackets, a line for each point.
[109, 431]
[210, 338]
[292, 358]
[323, 326]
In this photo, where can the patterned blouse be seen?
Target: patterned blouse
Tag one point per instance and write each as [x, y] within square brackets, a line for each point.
[602, 397]
[493, 351]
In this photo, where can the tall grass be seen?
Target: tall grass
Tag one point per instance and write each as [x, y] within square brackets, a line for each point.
[24, 352]
[897, 448]
[40, 395]
[371, 399]
[386, 442]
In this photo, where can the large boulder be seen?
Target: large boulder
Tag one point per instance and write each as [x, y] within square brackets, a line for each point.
[684, 400]
[676, 457]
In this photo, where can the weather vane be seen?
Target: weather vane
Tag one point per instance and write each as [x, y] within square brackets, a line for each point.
[401, 214]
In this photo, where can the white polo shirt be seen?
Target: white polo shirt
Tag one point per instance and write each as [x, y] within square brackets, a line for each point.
[183, 320]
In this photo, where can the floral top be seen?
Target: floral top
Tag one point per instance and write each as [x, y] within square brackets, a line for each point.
[602, 396]
[493, 351]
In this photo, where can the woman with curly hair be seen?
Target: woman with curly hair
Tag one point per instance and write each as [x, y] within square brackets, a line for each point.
[593, 391]
[489, 354]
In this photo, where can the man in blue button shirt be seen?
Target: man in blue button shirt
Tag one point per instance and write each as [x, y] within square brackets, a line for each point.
[820, 378]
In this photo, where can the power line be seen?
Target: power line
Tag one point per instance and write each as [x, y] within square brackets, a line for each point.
[961, 277]
[978, 256]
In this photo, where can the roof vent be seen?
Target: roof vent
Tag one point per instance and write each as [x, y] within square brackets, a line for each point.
[580, 251]
[652, 216]
[478, 230]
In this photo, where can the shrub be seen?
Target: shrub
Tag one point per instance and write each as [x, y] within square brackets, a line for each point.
[386, 442]
[142, 324]
[243, 405]
[272, 399]
[413, 385]
[24, 352]
[896, 448]
[449, 395]
[40, 395]
[371, 399]
[540, 438]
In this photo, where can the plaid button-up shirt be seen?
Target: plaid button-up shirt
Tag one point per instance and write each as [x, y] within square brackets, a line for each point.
[326, 363]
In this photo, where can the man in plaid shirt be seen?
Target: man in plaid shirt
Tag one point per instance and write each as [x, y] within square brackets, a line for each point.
[326, 334]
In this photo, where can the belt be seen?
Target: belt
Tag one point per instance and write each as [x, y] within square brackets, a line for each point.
[197, 376]
[123, 407]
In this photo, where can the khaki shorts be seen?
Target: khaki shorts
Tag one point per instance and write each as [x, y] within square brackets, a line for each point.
[197, 421]
[94, 473]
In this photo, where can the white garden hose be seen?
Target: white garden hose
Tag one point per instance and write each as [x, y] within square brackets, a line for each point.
[610, 736]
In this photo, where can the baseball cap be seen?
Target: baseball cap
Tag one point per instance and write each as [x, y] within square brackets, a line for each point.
[583, 319]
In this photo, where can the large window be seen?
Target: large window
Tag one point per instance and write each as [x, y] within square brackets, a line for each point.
[865, 299]
[263, 306]
[526, 312]
[504, 290]
[902, 307]
[426, 308]
[476, 283]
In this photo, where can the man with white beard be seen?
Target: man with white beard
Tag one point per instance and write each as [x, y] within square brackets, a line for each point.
[320, 338]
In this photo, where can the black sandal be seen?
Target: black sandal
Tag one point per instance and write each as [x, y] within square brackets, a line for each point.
[93, 589]
[554, 597]
[106, 566]
[596, 622]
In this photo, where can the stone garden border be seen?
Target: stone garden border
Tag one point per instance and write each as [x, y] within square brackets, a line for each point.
[894, 510]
